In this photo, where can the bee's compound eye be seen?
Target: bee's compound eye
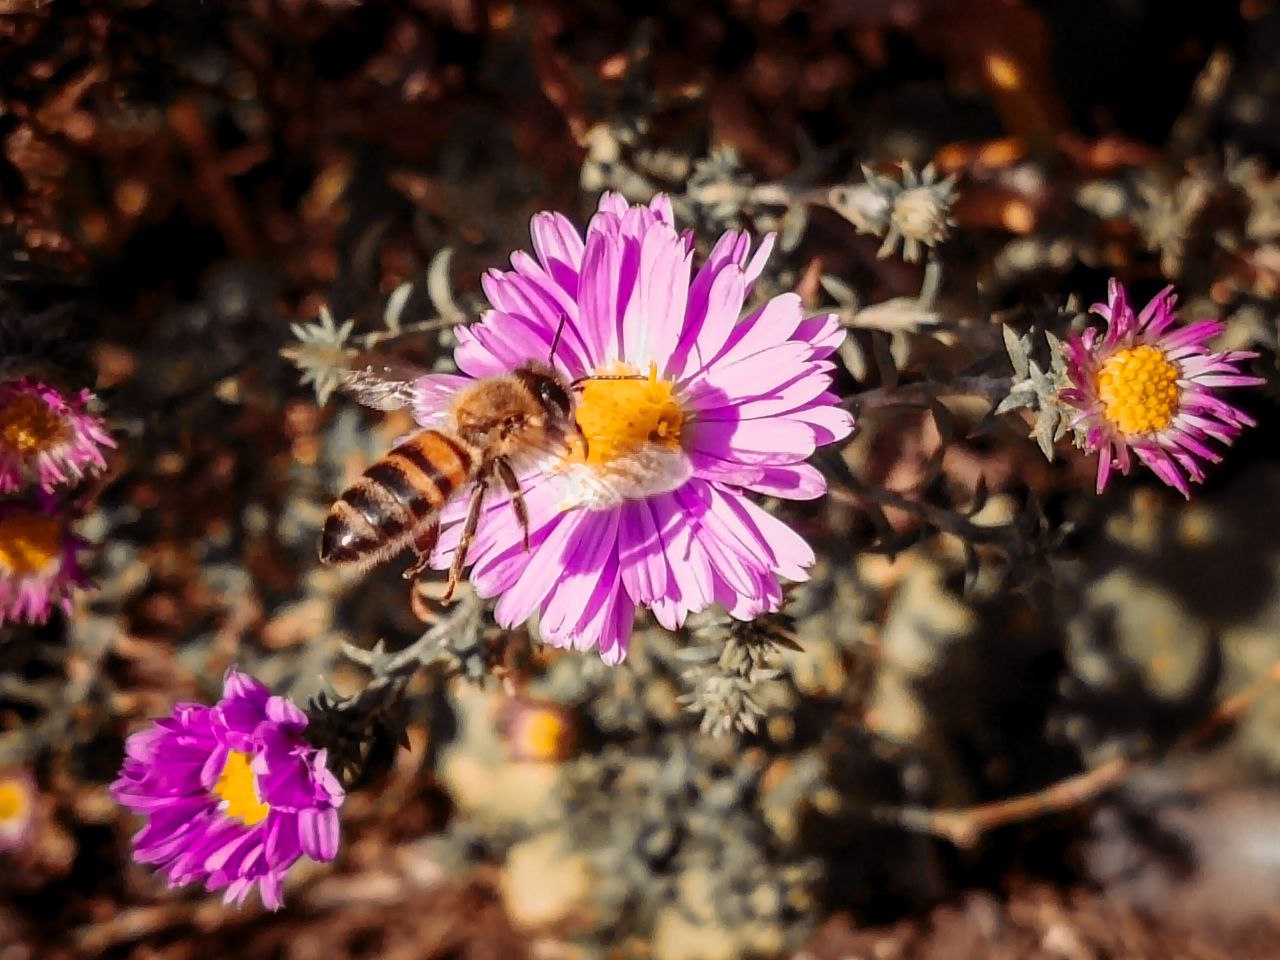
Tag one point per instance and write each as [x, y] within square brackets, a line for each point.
[554, 395]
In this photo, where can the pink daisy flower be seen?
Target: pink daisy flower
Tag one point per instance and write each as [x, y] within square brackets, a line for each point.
[651, 506]
[46, 437]
[1149, 387]
[234, 795]
[38, 566]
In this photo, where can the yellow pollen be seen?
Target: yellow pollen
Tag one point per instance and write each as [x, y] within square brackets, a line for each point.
[29, 542]
[618, 416]
[13, 800]
[544, 734]
[29, 426]
[1139, 390]
[239, 790]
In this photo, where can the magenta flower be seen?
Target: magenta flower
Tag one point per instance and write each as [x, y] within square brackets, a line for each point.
[38, 566]
[46, 437]
[18, 801]
[650, 507]
[232, 793]
[1149, 386]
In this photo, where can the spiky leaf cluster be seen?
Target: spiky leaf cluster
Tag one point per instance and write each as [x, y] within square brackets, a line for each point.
[321, 351]
[735, 670]
[914, 211]
[1037, 388]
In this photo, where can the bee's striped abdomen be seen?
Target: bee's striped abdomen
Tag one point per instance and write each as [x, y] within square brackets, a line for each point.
[378, 514]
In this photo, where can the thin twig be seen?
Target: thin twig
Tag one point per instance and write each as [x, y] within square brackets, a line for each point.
[965, 826]
[940, 518]
[920, 393]
[399, 667]
[369, 340]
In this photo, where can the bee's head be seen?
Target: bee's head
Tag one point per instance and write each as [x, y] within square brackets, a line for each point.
[550, 390]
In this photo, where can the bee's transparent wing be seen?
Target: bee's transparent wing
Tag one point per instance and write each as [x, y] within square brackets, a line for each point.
[383, 383]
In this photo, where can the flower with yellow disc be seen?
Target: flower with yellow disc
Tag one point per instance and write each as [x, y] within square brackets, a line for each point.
[1148, 387]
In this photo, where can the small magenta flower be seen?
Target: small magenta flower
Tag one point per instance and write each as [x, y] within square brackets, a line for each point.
[1150, 387]
[538, 731]
[18, 800]
[46, 437]
[693, 408]
[233, 794]
[38, 566]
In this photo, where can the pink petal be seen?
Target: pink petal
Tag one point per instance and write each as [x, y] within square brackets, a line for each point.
[777, 401]
[756, 266]
[559, 248]
[762, 534]
[502, 343]
[656, 313]
[824, 333]
[1104, 467]
[612, 202]
[753, 376]
[705, 335]
[641, 559]
[798, 482]
[615, 629]
[1190, 335]
[521, 598]
[318, 832]
[828, 423]
[766, 327]
[1160, 310]
[433, 394]
[598, 295]
[726, 560]
[582, 571]
[753, 442]
[661, 207]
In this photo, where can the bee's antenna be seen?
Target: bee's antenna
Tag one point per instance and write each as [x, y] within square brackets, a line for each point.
[555, 341]
[606, 376]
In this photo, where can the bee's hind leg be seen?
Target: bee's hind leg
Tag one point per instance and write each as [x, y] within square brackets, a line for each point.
[508, 478]
[423, 543]
[464, 541]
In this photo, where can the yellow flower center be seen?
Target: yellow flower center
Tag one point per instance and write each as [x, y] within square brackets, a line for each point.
[13, 801]
[238, 789]
[29, 426]
[617, 416]
[1139, 390]
[29, 542]
[544, 734]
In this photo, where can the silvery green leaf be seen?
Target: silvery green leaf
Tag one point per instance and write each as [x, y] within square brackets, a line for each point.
[931, 283]
[1043, 384]
[866, 206]
[1016, 347]
[1017, 400]
[794, 224]
[395, 306]
[854, 357]
[1058, 361]
[898, 314]
[439, 287]
[838, 290]
[1047, 431]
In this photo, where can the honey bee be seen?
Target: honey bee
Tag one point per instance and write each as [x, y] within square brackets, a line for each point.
[490, 431]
